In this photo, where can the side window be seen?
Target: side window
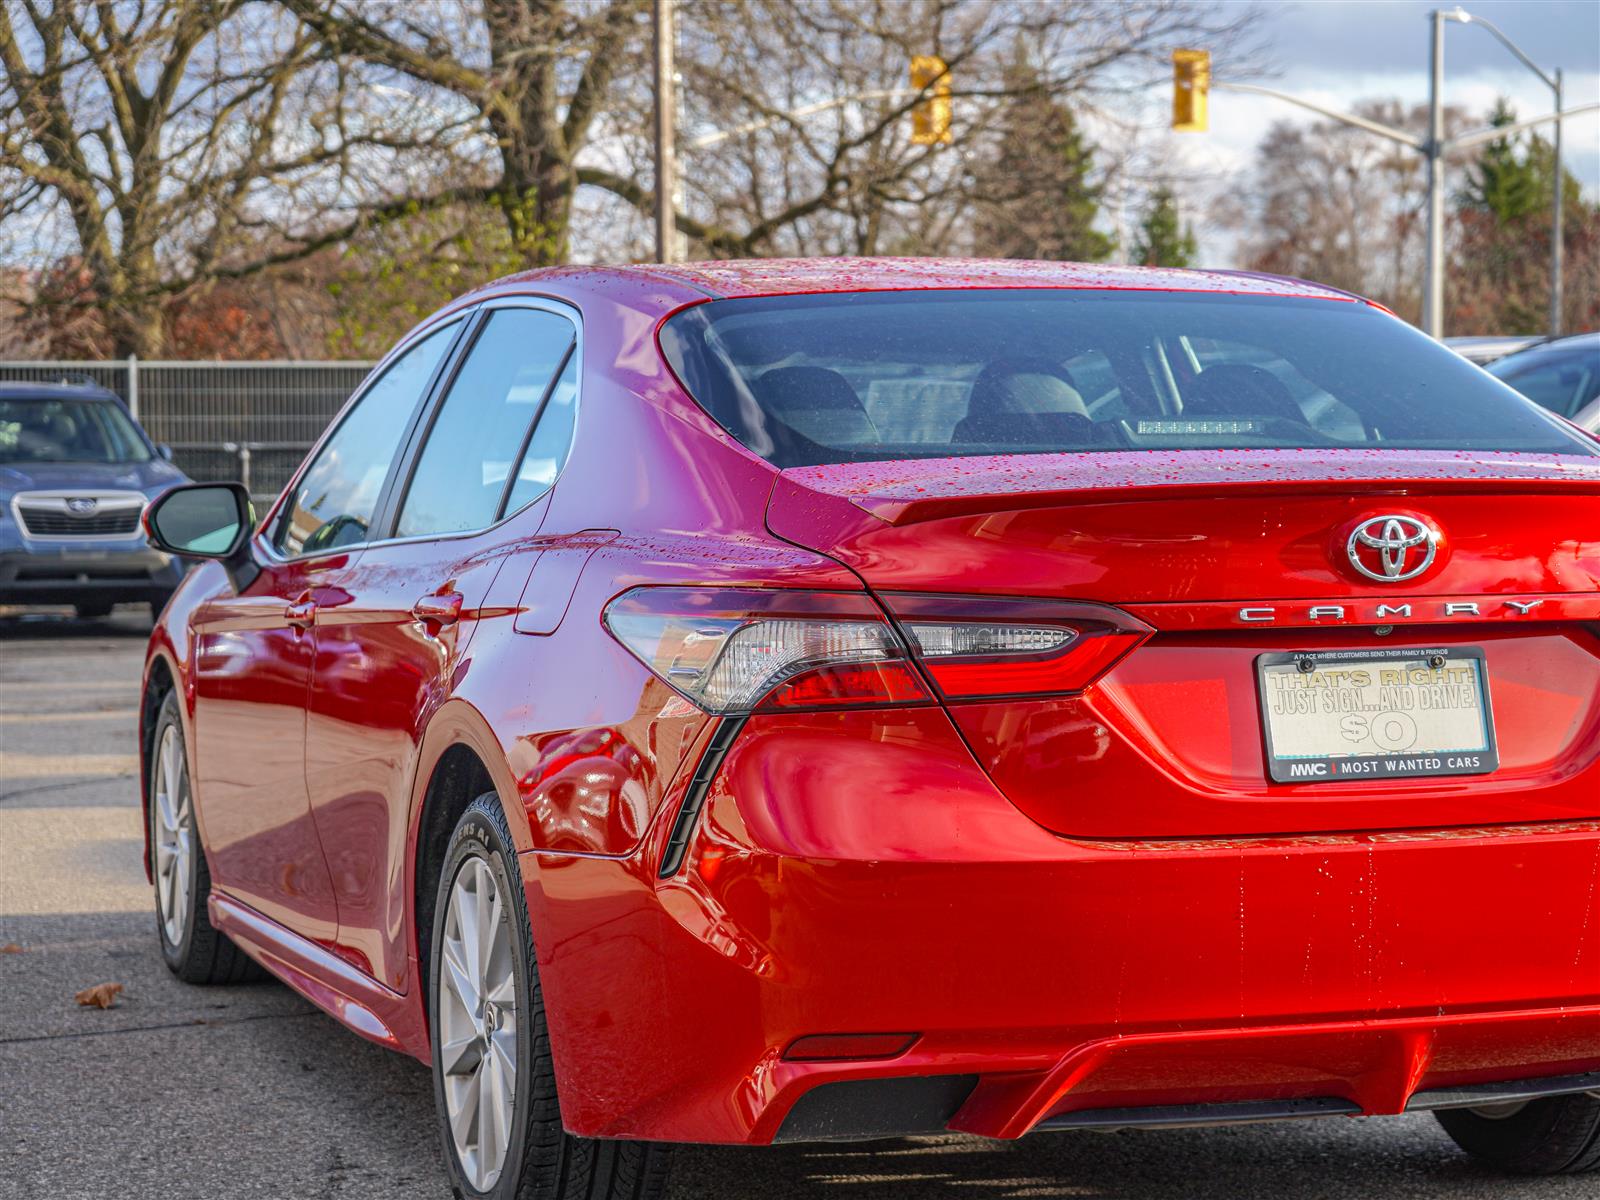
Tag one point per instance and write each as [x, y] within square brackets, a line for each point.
[334, 500]
[472, 445]
[1558, 386]
[547, 449]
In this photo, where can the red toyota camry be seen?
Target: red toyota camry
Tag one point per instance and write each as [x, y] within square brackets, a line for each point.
[776, 701]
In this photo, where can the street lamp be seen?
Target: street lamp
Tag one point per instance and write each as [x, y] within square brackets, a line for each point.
[1553, 82]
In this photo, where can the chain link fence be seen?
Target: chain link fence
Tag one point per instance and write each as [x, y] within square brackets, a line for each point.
[251, 421]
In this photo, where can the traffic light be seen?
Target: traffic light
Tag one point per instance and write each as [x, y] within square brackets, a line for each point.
[930, 117]
[1191, 84]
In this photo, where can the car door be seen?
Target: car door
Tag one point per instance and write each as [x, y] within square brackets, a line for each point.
[254, 653]
[396, 647]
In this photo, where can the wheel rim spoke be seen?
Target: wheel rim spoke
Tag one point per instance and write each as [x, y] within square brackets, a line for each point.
[172, 832]
[478, 1023]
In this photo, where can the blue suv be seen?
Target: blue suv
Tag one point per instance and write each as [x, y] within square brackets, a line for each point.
[75, 474]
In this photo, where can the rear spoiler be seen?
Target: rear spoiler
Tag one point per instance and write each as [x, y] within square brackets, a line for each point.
[908, 491]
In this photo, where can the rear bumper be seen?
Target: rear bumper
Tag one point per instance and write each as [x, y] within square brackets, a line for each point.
[857, 873]
[68, 575]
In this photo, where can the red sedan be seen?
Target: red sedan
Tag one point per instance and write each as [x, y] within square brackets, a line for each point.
[843, 699]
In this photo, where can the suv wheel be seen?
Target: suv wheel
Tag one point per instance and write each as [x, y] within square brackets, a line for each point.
[1559, 1135]
[193, 948]
[493, 1080]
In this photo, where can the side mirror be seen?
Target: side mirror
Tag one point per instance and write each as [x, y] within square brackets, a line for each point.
[164, 451]
[205, 520]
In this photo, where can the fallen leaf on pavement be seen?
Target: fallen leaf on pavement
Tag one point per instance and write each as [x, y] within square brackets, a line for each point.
[10, 948]
[101, 995]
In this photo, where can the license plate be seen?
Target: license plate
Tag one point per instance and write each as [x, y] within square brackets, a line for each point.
[1376, 714]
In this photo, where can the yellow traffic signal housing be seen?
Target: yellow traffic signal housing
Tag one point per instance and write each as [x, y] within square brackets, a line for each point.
[930, 118]
[1191, 86]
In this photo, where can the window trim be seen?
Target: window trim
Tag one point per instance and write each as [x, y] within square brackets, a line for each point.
[266, 534]
[416, 440]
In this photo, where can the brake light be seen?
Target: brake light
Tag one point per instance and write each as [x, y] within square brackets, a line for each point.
[741, 650]
[974, 647]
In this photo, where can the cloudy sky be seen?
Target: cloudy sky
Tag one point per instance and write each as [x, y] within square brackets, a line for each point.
[1339, 52]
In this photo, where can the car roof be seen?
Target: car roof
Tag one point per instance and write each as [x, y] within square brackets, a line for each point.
[765, 277]
[1577, 343]
[52, 390]
[666, 286]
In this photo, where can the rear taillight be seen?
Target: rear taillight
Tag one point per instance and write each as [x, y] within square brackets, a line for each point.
[974, 647]
[737, 650]
[742, 650]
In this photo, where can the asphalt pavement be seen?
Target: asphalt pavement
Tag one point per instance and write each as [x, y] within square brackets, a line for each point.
[182, 1092]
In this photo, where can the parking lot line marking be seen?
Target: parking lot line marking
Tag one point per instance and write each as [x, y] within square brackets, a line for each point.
[114, 685]
[17, 765]
[28, 718]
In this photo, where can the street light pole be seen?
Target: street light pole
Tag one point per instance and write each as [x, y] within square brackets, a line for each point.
[1555, 226]
[1433, 286]
[1553, 82]
[1434, 148]
[666, 150]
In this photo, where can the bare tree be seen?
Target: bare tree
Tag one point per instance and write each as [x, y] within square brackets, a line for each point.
[796, 133]
[154, 146]
[533, 73]
[823, 159]
[1338, 205]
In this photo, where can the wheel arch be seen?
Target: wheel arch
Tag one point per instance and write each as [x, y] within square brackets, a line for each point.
[160, 679]
[461, 759]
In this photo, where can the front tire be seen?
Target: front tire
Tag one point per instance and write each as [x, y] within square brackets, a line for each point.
[1559, 1135]
[494, 1083]
[194, 950]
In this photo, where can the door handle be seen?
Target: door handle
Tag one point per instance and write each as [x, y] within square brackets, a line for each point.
[437, 609]
[301, 614]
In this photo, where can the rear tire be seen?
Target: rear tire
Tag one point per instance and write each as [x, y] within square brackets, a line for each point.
[1559, 1135]
[194, 950]
[486, 1009]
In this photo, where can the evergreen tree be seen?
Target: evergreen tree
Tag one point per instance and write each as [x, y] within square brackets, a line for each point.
[1500, 276]
[1035, 194]
[1162, 241]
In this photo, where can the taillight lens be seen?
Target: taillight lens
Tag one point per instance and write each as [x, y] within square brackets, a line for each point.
[974, 647]
[738, 650]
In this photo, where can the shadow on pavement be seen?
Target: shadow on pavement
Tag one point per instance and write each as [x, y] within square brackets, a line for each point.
[130, 621]
[258, 1094]
[1321, 1160]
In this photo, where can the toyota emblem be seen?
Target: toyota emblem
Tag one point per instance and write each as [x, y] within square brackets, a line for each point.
[1392, 549]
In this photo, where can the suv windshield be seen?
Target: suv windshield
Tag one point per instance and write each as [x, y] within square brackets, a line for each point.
[860, 376]
[68, 430]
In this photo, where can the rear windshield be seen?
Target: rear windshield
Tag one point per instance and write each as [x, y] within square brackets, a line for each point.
[861, 376]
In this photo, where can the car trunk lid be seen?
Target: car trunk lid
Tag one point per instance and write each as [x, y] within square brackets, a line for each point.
[1229, 556]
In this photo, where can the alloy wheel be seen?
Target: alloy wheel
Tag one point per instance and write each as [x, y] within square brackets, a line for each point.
[174, 837]
[478, 1023]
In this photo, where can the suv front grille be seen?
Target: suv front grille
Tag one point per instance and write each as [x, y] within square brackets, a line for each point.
[54, 516]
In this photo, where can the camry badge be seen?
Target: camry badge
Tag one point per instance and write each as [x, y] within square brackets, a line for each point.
[82, 506]
[1392, 549]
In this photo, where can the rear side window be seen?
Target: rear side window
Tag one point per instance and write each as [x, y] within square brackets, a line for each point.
[465, 469]
[854, 377]
[549, 442]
